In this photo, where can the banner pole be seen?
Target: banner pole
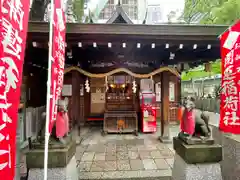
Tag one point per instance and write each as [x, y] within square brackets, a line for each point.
[50, 58]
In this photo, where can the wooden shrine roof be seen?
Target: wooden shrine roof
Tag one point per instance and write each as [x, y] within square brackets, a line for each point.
[119, 16]
[180, 32]
[172, 34]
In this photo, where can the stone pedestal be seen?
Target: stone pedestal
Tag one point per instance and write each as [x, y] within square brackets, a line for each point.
[196, 162]
[65, 173]
[61, 162]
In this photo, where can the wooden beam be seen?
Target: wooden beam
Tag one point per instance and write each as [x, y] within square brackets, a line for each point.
[116, 38]
[136, 29]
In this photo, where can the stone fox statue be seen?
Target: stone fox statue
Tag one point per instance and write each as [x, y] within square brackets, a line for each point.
[194, 123]
[60, 127]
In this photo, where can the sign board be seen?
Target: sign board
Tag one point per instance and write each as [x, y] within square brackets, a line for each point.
[158, 91]
[146, 85]
[171, 91]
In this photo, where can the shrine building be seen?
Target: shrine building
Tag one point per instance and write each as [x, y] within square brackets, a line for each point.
[106, 62]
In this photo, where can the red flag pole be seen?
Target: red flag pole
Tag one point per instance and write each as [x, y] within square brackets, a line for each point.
[49, 96]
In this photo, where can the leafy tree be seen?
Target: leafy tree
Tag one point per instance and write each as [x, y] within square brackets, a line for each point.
[212, 11]
[38, 9]
[194, 74]
[227, 13]
[189, 12]
[74, 8]
[78, 9]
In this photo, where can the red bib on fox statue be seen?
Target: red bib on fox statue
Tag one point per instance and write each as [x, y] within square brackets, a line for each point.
[62, 121]
[188, 120]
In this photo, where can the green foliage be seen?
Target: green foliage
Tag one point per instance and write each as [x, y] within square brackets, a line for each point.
[194, 75]
[212, 11]
[78, 9]
[216, 69]
[228, 13]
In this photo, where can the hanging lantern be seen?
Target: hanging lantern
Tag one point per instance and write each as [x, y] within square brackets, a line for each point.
[134, 86]
[87, 86]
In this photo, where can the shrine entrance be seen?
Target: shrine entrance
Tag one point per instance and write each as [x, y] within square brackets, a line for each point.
[95, 52]
[104, 65]
[113, 98]
[120, 114]
[119, 93]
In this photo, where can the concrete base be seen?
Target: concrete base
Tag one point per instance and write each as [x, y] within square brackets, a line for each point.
[199, 153]
[184, 171]
[67, 173]
[58, 157]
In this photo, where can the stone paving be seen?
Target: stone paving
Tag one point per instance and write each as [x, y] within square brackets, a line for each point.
[117, 156]
[123, 156]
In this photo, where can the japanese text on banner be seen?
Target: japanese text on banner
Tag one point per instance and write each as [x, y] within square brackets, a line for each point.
[58, 55]
[230, 90]
[230, 97]
[14, 21]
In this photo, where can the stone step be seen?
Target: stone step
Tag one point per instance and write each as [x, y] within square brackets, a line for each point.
[127, 178]
[136, 178]
[130, 175]
[133, 178]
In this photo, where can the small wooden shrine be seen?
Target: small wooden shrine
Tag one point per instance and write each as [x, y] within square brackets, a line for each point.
[106, 62]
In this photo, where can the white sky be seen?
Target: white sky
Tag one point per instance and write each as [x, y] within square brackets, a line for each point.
[166, 6]
[169, 5]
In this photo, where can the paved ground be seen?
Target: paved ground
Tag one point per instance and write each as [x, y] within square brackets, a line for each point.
[120, 156]
[123, 156]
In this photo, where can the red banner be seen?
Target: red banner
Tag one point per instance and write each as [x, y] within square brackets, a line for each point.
[14, 24]
[58, 54]
[230, 96]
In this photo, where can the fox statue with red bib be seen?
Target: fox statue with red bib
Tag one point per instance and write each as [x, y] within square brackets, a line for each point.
[62, 121]
[194, 123]
[60, 127]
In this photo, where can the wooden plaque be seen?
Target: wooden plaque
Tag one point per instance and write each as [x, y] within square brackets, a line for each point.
[147, 85]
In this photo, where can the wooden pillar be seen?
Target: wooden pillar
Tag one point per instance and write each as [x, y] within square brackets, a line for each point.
[75, 98]
[165, 108]
[179, 91]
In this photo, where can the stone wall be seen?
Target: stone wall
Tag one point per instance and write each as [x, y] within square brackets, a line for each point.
[200, 87]
[211, 105]
[33, 121]
[231, 150]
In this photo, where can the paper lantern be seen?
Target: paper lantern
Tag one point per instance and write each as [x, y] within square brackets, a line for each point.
[87, 87]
